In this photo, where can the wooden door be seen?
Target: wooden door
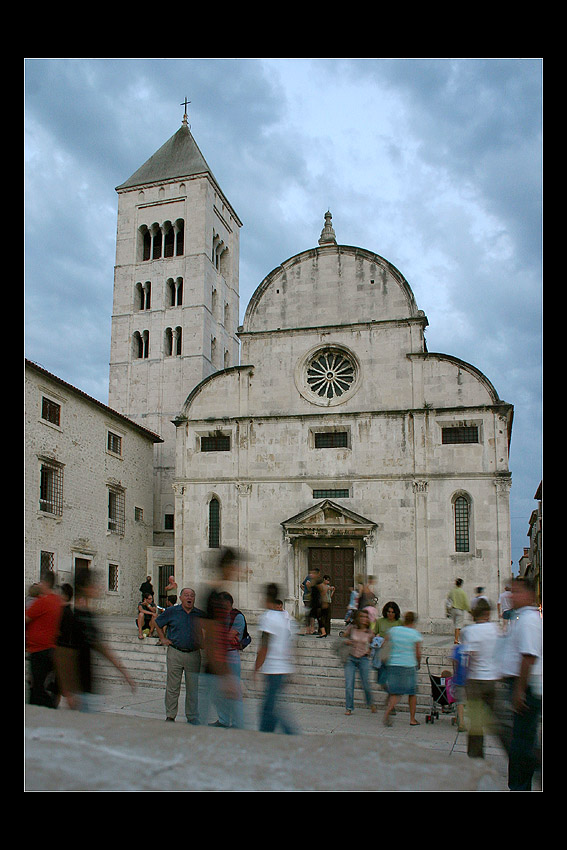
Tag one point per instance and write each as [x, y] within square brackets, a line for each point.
[339, 564]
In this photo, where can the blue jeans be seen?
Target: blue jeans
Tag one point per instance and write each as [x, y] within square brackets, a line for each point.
[231, 711]
[522, 756]
[363, 666]
[272, 712]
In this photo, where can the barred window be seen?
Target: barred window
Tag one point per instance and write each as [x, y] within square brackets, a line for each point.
[113, 578]
[218, 443]
[51, 488]
[46, 563]
[214, 524]
[462, 524]
[114, 443]
[331, 439]
[138, 514]
[50, 411]
[331, 494]
[459, 434]
[116, 512]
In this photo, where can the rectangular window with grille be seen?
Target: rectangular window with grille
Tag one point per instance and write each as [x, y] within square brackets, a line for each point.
[113, 578]
[331, 494]
[460, 434]
[218, 443]
[116, 512]
[331, 439]
[50, 411]
[114, 443]
[214, 524]
[461, 525]
[51, 488]
[46, 563]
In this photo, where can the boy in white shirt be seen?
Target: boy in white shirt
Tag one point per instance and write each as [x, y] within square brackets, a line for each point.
[480, 639]
[275, 660]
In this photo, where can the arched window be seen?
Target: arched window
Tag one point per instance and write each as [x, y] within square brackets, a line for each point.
[168, 342]
[156, 243]
[179, 237]
[143, 295]
[146, 244]
[172, 341]
[462, 523]
[169, 241]
[166, 240]
[141, 345]
[174, 292]
[214, 524]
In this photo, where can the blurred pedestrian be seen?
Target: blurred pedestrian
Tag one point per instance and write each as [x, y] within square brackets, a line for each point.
[458, 683]
[230, 712]
[358, 636]
[459, 605]
[522, 675]
[367, 596]
[314, 583]
[79, 637]
[42, 618]
[326, 590]
[184, 640]
[480, 640]
[505, 609]
[306, 590]
[403, 659]
[352, 606]
[275, 659]
[220, 686]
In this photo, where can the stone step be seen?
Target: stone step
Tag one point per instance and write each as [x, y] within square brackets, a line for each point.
[318, 677]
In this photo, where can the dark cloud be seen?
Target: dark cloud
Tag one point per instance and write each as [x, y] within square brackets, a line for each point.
[433, 163]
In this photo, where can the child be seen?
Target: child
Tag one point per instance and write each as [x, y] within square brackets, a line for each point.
[459, 656]
[352, 604]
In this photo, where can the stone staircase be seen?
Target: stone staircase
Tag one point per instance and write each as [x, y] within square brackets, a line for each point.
[318, 679]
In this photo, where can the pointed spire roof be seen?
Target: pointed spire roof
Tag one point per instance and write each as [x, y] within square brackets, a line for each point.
[178, 157]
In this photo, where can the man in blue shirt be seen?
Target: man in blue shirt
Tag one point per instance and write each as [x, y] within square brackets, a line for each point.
[183, 641]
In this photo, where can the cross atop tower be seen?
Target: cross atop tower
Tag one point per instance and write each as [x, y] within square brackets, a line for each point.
[185, 102]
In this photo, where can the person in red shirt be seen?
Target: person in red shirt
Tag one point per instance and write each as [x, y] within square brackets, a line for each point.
[42, 627]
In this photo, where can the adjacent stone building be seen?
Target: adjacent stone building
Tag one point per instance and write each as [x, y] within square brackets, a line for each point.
[88, 490]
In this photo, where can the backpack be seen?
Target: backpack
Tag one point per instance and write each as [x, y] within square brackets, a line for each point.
[246, 639]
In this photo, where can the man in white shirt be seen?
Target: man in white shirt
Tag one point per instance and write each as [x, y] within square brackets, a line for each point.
[275, 660]
[522, 673]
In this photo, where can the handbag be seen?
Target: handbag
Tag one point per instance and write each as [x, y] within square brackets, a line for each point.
[342, 649]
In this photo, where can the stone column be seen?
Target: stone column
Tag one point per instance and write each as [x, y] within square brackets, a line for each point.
[420, 488]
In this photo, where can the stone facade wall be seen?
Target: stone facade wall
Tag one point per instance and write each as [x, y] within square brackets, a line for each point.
[78, 445]
[394, 482]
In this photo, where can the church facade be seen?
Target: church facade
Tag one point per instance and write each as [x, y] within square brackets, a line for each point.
[333, 439]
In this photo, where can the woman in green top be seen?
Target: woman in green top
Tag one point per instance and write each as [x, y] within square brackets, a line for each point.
[391, 616]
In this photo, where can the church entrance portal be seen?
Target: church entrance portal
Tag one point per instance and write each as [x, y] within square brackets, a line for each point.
[338, 563]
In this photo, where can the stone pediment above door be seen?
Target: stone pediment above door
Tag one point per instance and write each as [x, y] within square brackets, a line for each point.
[328, 519]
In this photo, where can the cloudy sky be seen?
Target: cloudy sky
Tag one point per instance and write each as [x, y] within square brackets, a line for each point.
[434, 164]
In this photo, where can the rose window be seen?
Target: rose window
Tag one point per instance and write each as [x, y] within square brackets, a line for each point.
[330, 374]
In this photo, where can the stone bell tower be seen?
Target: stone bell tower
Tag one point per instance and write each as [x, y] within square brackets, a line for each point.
[176, 299]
